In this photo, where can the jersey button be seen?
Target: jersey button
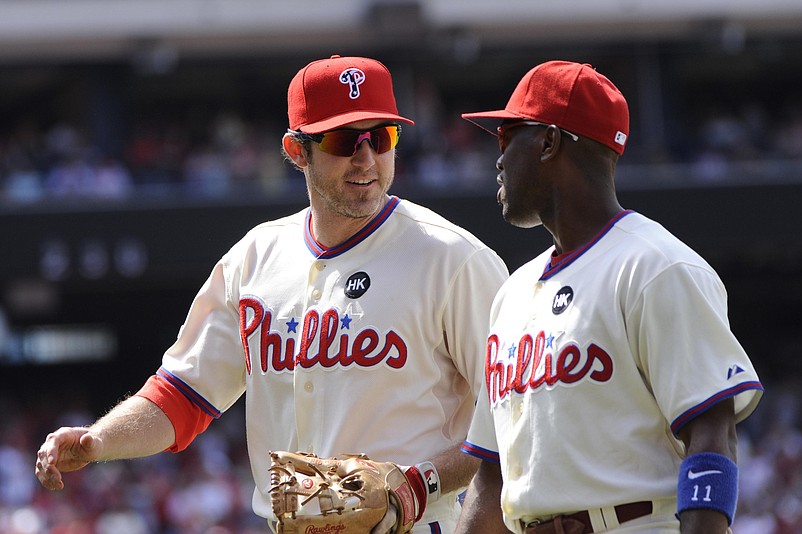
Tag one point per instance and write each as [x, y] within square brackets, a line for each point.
[319, 265]
[309, 387]
[316, 294]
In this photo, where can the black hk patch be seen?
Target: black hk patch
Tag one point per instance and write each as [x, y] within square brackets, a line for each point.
[562, 299]
[357, 284]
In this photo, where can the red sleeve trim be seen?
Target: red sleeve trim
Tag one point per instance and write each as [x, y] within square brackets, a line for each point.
[688, 415]
[483, 454]
[187, 417]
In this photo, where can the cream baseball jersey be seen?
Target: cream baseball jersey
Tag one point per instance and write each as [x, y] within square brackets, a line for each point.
[594, 363]
[372, 346]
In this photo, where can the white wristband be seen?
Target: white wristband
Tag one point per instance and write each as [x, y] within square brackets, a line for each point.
[432, 480]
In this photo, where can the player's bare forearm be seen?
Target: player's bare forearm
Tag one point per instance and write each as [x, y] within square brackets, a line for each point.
[455, 468]
[481, 511]
[703, 522]
[136, 427]
[712, 431]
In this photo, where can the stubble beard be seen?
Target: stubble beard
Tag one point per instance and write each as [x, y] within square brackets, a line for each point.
[364, 204]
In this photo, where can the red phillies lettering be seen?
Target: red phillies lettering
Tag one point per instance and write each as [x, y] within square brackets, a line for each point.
[533, 367]
[328, 332]
[248, 327]
[308, 334]
[395, 342]
[270, 343]
[334, 345]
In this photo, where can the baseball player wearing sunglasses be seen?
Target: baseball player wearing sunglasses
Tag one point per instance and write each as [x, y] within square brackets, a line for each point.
[356, 325]
[613, 383]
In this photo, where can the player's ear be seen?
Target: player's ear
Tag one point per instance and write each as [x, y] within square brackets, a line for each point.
[295, 150]
[551, 143]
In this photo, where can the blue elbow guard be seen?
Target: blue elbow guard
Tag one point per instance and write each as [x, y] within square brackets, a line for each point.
[708, 481]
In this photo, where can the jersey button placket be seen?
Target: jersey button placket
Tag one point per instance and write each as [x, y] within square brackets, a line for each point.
[304, 384]
[315, 270]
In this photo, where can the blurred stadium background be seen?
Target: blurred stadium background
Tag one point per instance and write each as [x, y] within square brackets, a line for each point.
[140, 139]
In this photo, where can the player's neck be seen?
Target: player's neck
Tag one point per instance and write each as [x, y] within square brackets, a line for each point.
[571, 233]
[330, 228]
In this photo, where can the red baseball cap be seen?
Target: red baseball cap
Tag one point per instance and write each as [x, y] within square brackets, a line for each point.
[330, 93]
[572, 96]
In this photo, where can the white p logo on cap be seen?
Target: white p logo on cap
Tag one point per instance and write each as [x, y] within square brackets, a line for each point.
[353, 78]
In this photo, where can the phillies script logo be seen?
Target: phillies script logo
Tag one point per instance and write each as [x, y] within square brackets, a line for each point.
[531, 367]
[329, 332]
[329, 528]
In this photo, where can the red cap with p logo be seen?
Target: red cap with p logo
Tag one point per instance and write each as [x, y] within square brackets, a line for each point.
[330, 93]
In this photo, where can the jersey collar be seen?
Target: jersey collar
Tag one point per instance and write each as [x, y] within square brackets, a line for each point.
[325, 253]
[568, 258]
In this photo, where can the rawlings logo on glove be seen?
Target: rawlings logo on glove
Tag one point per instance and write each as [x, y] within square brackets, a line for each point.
[355, 495]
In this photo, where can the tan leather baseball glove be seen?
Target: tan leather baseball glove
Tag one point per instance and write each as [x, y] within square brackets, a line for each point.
[348, 495]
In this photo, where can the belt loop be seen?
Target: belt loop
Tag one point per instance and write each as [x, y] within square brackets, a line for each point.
[610, 517]
[597, 520]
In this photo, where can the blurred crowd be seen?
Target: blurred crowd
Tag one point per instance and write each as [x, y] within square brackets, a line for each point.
[207, 488]
[746, 134]
[232, 155]
[159, 159]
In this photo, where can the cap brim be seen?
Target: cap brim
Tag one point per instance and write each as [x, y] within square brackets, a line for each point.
[347, 118]
[487, 120]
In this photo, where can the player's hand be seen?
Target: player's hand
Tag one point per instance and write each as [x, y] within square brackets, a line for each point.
[66, 449]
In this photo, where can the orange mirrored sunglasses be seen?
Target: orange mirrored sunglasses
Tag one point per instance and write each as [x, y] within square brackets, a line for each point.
[345, 142]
